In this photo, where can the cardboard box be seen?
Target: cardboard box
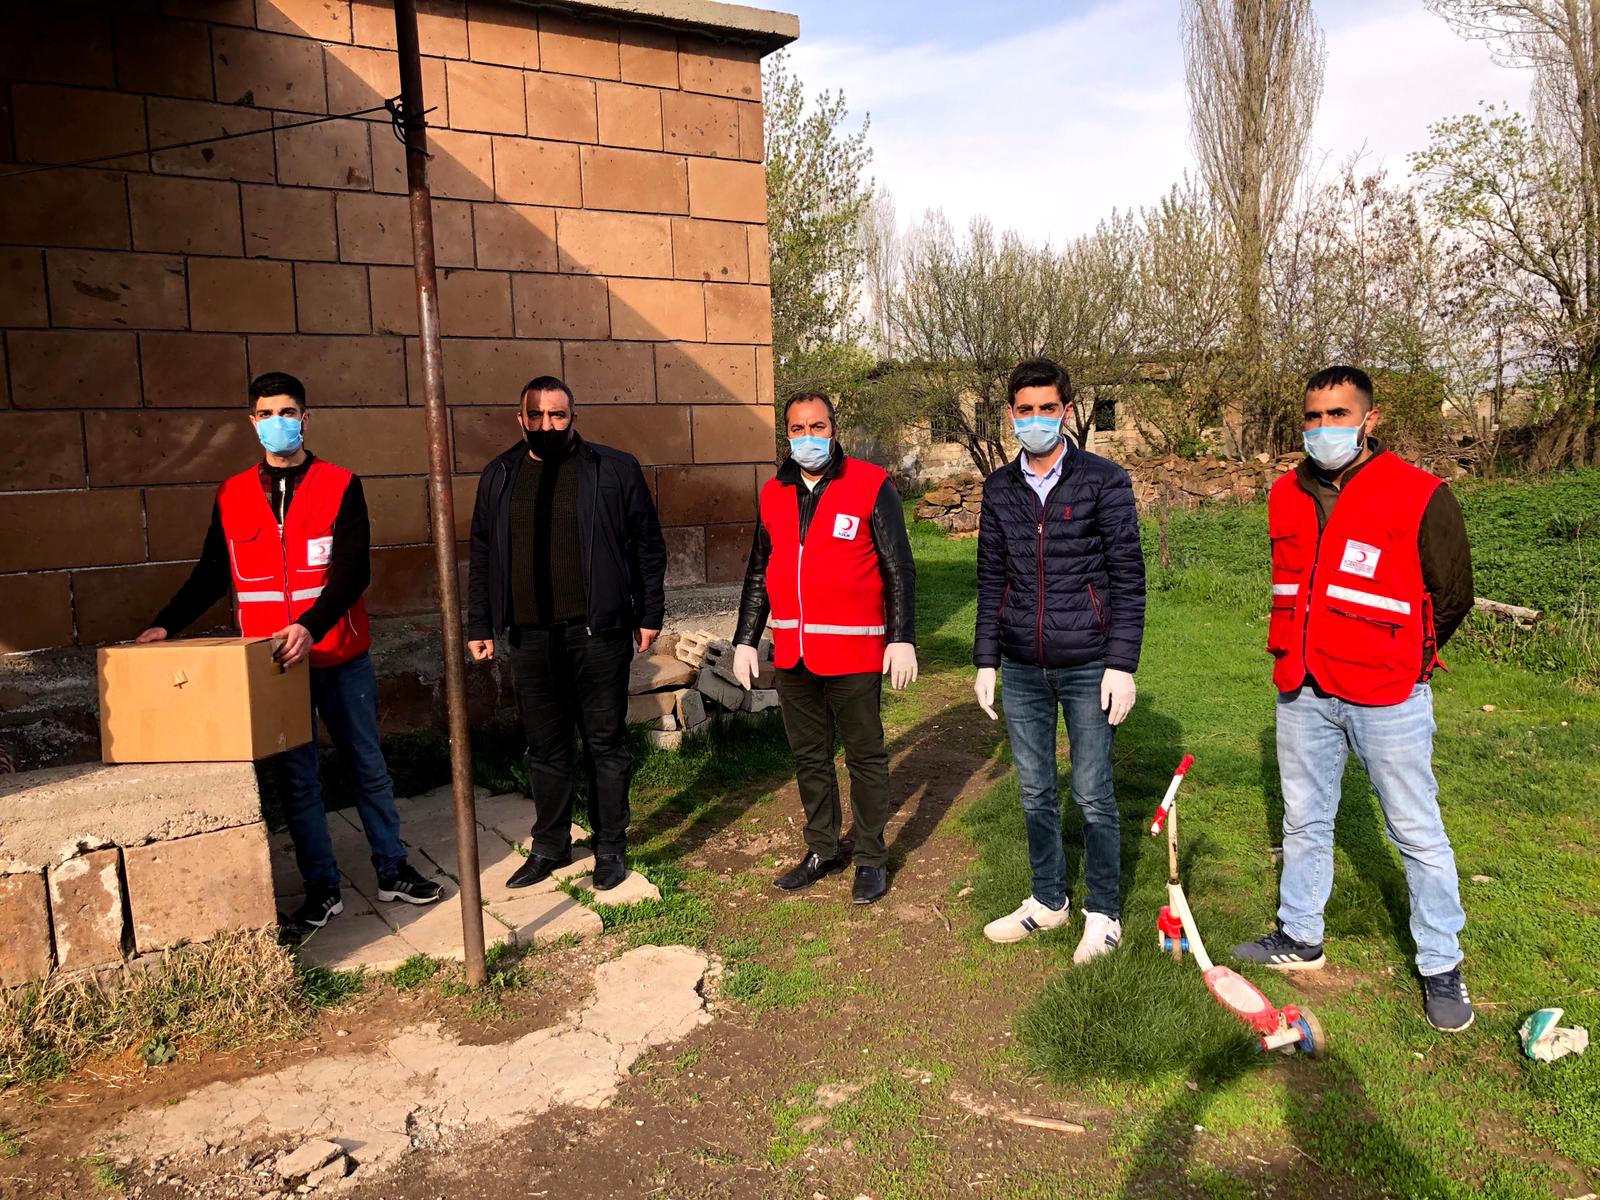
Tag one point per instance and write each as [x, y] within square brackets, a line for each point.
[200, 700]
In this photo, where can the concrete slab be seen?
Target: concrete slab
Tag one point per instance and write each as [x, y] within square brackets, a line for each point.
[509, 808]
[634, 888]
[537, 919]
[435, 928]
[356, 940]
[49, 816]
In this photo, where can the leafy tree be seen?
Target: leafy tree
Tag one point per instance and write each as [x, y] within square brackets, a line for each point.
[818, 196]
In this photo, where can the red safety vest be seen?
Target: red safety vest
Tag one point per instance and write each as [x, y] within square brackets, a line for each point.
[1349, 606]
[826, 593]
[278, 574]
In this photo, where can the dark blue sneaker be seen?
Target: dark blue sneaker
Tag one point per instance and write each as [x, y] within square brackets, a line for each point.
[1445, 1001]
[1282, 953]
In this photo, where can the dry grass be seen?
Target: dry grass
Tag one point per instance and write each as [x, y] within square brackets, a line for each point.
[240, 987]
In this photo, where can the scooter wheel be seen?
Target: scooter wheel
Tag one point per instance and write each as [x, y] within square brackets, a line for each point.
[1313, 1042]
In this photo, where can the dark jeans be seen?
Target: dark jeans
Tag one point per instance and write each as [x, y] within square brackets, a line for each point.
[346, 698]
[568, 680]
[814, 706]
[1031, 696]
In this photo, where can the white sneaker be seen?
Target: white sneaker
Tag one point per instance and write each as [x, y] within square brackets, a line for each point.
[1100, 936]
[1030, 915]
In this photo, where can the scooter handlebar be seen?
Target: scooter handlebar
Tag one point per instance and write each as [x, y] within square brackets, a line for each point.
[1172, 795]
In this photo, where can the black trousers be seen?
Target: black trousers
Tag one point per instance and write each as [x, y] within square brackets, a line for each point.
[571, 681]
[814, 708]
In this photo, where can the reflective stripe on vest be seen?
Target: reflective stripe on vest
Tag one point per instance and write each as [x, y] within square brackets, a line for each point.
[1336, 592]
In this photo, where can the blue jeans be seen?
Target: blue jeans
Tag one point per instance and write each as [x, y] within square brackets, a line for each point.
[346, 698]
[1395, 744]
[1031, 696]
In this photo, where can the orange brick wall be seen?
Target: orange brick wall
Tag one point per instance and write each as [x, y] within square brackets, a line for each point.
[600, 213]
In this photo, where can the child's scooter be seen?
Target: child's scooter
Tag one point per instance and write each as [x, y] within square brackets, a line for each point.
[1288, 1027]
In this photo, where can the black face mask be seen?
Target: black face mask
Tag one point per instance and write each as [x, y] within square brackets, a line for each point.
[548, 444]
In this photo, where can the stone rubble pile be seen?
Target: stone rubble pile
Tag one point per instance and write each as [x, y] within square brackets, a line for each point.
[686, 683]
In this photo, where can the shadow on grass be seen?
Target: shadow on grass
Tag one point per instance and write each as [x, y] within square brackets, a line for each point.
[1336, 1143]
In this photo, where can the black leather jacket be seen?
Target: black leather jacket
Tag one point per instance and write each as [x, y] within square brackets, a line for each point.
[623, 555]
[895, 564]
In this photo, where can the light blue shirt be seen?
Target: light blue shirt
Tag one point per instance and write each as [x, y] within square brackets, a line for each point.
[1041, 484]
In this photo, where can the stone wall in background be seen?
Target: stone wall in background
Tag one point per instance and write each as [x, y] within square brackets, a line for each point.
[601, 214]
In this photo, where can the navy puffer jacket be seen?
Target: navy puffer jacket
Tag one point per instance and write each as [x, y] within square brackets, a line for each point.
[1060, 585]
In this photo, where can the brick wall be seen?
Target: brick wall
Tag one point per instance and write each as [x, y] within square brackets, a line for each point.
[600, 213]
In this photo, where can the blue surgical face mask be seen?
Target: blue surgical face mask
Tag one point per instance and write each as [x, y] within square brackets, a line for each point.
[812, 453]
[1038, 435]
[279, 435]
[1334, 447]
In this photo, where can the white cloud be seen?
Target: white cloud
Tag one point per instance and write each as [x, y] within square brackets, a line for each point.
[1048, 129]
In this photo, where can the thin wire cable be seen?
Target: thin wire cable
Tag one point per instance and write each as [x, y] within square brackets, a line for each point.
[390, 106]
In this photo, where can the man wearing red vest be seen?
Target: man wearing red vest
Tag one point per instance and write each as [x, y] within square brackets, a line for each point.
[290, 537]
[1371, 574]
[831, 564]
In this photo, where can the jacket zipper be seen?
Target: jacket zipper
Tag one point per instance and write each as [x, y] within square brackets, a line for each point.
[1039, 638]
[283, 550]
[1099, 613]
[594, 516]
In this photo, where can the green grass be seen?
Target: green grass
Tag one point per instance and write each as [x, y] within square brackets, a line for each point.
[325, 987]
[1396, 1108]
[414, 972]
[106, 1173]
[10, 1147]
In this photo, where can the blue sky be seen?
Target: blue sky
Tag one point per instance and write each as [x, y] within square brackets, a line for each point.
[1046, 114]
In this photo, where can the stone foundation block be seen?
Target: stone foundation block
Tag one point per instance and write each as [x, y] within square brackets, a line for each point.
[25, 947]
[194, 887]
[86, 910]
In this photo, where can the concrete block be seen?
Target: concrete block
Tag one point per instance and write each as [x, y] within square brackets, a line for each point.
[192, 888]
[726, 190]
[691, 709]
[535, 920]
[72, 368]
[574, 46]
[629, 116]
[434, 928]
[731, 433]
[608, 243]
[719, 69]
[761, 699]
[561, 108]
[356, 940]
[659, 310]
[486, 99]
[611, 372]
[699, 124]
[86, 910]
[710, 250]
[650, 707]
[737, 312]
[52, 815]
[719, 690]
[633, 888]
[664, 739]
[25, 949]
[640, 181]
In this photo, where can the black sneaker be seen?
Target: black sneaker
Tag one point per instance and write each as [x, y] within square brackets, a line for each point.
[536, 868]
[318, 908]
[807, 871]
[609, 870]
[872, 883]
[1445, 1001]
[405, 884]
[1282, 953]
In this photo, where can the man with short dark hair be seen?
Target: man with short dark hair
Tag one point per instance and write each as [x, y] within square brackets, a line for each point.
[1061, 598]
[1371, 574]
[831, 563]
[290, 536]
[567, 578]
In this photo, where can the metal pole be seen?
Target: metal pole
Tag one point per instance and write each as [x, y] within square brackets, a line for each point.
[439, 468]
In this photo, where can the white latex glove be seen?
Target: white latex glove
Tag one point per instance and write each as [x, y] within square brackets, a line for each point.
[746, 666]
[900, 664]
[1117, 694]
[983, 689]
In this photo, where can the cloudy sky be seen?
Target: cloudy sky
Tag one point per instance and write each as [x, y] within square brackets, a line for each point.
[1046, 114]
